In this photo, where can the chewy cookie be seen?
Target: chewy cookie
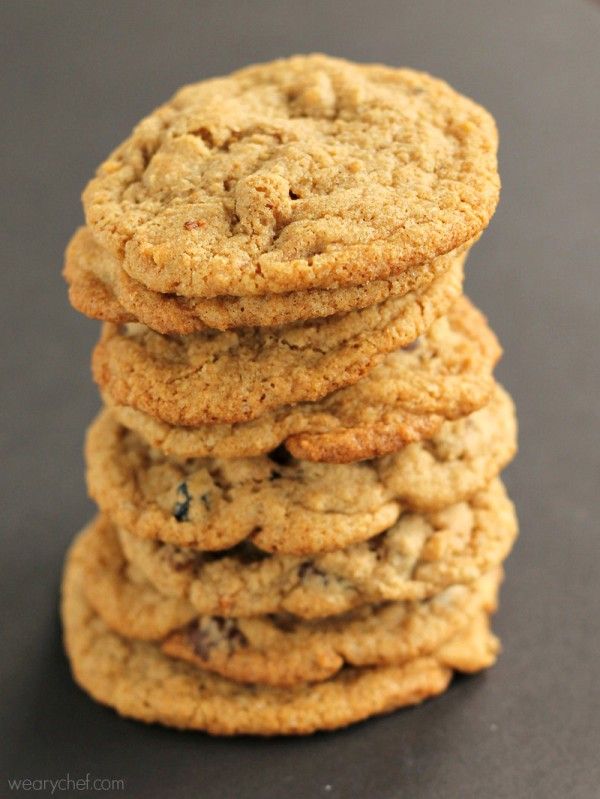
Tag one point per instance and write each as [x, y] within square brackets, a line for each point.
[138, 680]
[284, 505]
[275, 650]
[446, 374]
[419, 556]
[99, 287]
[308, 172]
[236, 376]
[301, 520]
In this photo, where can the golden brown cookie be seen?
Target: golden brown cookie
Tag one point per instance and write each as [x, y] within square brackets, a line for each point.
[121, 591]
[308, 172]
[99, 287]
[459, 460]
[260, 651]
[235, 376]
[346, 430]
[417, 557]
[138, 680]
[284, 505]
[446, 374]
[275, 650]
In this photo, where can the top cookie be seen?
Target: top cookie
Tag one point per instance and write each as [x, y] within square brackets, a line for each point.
[308, 172]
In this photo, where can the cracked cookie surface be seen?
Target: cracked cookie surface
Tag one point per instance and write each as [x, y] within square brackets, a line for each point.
[139, 681]
[99, 287]
[276, 649]
[301, 173]
[284, 505]
[234, 376]
[420, 555]
[447, 373]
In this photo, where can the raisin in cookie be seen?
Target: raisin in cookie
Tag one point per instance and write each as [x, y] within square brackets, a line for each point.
[276, 650]
[308, 172]
[420, 555]
[285, 505]
[138, 680]
[100, 288]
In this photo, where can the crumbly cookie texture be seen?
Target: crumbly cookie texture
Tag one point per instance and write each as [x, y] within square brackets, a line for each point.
[284, 505]
[138, 680]
[276, 649]
[447, 373]
[236, 376]
[416, 558]
[301, 173]
[100, 288]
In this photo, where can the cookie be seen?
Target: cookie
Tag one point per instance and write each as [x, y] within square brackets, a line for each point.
[346, 430]
[215, 503]
[459, 460]
[417, 557]
[257, 651]
[276, 650]
[100, 288]
[122, 591]
[285, 505]
[138, 680]
[235, 376]
[447, 373]
[308, 172]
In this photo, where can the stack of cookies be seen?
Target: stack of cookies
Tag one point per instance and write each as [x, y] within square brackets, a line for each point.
[301, 521]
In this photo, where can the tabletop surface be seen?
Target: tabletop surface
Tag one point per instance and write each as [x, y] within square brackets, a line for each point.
[76, 76]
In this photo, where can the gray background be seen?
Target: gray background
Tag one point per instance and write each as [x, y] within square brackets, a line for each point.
[75, 77]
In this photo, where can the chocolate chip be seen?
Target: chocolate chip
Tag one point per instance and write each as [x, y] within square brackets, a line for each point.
[181, 508]
[206, 501]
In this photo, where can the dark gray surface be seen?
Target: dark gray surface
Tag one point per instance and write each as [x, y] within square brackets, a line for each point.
[75, 77]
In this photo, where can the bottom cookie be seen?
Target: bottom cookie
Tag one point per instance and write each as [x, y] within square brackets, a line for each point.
[139, 681]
